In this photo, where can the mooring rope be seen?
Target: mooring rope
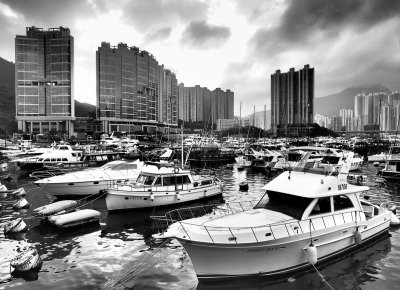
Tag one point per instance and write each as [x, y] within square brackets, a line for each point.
[125, 276]
[309, 260]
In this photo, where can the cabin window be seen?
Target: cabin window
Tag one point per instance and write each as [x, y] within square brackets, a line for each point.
[322, 206]
[146, 180]
[291, 205]
[330, 160]
[206, 182]
[40, 159]
[47, 159]
[341, 202]
[58, 159]
[53, 159]
[158, 181]
[168, 181]
[64, 159]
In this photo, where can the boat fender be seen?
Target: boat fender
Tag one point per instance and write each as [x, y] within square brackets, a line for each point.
[394, 220]
[357, 237]
[19, 192]
[178, 195]
[312, 253]
[176, 169]
[15, 226]
[21, 203]
[151, 196]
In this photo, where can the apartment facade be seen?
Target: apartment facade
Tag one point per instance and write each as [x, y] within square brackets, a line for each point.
[199, 104]
[134, 92]
[292, 99]
[44, 86]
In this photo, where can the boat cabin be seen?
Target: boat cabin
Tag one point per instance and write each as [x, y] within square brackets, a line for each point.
[165, 175]
[303, 196]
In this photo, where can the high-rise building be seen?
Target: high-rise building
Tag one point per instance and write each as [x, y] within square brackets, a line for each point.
[44, 65]
[134, 92]
[198, 104]
[292, 97]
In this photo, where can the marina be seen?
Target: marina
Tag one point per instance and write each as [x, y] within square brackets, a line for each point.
[124, 241]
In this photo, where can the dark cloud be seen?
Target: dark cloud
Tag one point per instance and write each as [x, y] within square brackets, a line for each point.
[303, 19]
[202, 35]
[146, 13]
[157, 34]
[50, 13]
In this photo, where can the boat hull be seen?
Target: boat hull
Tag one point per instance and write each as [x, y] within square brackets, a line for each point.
[75, 188]
[276, 257]
[124, 200]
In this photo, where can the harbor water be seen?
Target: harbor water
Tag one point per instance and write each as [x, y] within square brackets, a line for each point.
[87, 257]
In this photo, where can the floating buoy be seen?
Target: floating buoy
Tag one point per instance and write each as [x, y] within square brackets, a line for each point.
[19, 192]
[21, 203]
[178, 195]
[394, 220]
[312, 253]
[357, 237]
[15, 226]
[27, 260]
[151, 196]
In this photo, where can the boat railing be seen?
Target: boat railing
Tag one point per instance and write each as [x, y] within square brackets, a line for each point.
[46, 173]
[182, 214]
[131, 183]
[286, 229]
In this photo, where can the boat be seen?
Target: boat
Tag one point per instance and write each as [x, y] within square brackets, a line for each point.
[391, 170]
[305, 218]
[91, 181]
[15, 226]
[56, 207]
[79, 217]
[61, 154]
[161, 184]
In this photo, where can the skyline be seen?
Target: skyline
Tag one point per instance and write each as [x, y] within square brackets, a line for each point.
[226, 44]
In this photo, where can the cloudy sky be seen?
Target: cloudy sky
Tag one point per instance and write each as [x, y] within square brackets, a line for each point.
[231, 44]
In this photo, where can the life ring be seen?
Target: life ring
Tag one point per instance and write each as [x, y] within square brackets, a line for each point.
[176, 170]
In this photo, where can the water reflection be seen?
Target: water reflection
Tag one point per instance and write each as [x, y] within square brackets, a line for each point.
[89, 256]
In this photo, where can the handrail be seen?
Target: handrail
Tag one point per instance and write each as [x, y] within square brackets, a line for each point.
[274, 231]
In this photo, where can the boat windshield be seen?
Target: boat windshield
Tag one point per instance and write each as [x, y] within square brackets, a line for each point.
[291, 205]
[145, 179]
[330, 160]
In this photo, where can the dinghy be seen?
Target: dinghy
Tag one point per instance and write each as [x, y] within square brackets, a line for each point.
[56, 207]
[21, 203]
[75, 218]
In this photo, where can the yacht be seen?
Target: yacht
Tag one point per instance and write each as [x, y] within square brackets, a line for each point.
[91, 181]
[305, 218]
[60, 154]
[161, 184]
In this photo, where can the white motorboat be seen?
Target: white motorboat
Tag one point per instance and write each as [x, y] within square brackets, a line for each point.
[91, 181]
[391, 171]
[161, 184]
[381, 157]
[335, 158]
[304, 218]
[60, 154]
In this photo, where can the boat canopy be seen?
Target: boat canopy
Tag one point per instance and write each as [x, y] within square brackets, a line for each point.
[311, 185]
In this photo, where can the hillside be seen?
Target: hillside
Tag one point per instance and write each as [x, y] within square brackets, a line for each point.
[7, 97]
[259, 119]
[84, 110]
[330, 105]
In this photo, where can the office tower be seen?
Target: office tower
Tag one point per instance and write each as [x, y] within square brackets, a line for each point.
[44, 65]
[134, 92]
[292, 97]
